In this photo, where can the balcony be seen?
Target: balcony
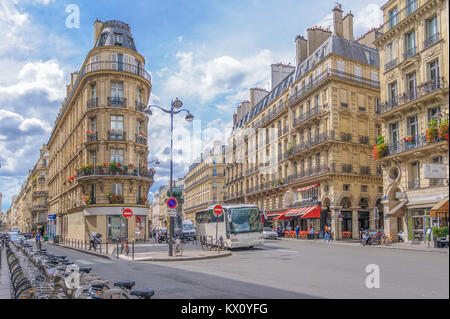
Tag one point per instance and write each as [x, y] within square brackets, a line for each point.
[407, 145]
[346, 137]
[117, 101]
[272, 115]
[347, 168]
[116, 135]
[307, 115]
[40, 194]
[396, 19]
[318, 139]
[409, 53]
[414, 184]
[140, 106]
[364, 170]
[431, 40]
[364, 140]
[388, 66]
[141, 139]
[92, 137]
[41, 179]
[411, 95]
[39, 208]
[318, 170]
[326, 76]
[124, 170]
[92, 103]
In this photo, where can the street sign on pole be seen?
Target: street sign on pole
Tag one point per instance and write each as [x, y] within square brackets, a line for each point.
[127, 213]
[218, 210]
[172, 203]
[172, 213]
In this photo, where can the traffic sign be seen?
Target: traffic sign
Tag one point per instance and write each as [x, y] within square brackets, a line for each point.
[172, 203]
[218, 210]
[127, 213]
[172, 213]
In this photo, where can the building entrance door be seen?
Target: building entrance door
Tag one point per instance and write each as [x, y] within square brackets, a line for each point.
[347, 223]
[117, 228]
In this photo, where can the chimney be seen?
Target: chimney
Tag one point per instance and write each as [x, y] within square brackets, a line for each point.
[302, 49]
[234, 119]
[256, 95]
[348, 26]
[245, 107]
[97, 28]
[337, 21]
[316, 36]
[279, 72]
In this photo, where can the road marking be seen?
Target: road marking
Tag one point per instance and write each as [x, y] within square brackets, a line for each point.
[287, 251]
[84, 262]
[104, 261]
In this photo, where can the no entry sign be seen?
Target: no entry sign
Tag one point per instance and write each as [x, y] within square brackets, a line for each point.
[127, 213]
[218, 210]
[172, 203]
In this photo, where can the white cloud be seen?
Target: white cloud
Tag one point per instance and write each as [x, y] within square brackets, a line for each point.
[38, 76]
[368, 17]
[207, 80]
[12, 24]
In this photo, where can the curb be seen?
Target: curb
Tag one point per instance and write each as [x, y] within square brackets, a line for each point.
[84, 251]
[183, 258]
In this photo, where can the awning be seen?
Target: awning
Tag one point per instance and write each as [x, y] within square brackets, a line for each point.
[312, 212]
[398, 210]
[275, 214]
[307, 188]
[440, 208]
[295, 212]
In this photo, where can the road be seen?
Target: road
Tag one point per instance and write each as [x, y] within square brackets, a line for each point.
[284, 270]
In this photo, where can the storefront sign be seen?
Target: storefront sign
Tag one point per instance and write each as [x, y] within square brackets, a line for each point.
[53, 217]
[434, 171]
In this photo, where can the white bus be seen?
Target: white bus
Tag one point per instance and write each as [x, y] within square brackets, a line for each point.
[240, 225]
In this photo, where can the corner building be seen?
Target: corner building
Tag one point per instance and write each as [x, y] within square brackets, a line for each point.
[413, 45]
[98, 145]
[302, 152]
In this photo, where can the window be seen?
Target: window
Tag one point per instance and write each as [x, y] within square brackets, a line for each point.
[93, 124]
[393, 18]
[214, 172]
[364, 188]
[433, 71]
[117, 90]
[93, 91]
[116, 123]
[92, 194]
[410, 44]
[118, 39]
[93, 157]
[341, 67]
[412, 125]
[346, 187]
[380, 189]
[393, 128]
[117, 189]
[414, 175]
[214, 185]
[431, 31]
[432, 112]
[117, 156]
[140, 127]
[392, 93]
[411, 85]
[411, 6]
[390, 53]
[358, 73]
[139, 96]
[102, 39]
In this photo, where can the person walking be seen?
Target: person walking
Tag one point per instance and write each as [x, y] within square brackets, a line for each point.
[279, 231]
[327, 234]
[297, 230]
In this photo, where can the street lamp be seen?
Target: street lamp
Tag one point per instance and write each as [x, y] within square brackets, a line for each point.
[154, 161]
[174, 109]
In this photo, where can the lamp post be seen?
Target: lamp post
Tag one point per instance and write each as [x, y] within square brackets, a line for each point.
[174, 109]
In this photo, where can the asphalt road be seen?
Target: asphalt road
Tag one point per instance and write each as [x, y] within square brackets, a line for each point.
[284, 270]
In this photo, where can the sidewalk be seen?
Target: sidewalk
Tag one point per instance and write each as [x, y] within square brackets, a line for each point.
[399, 246]
[150, 255]
[4, 276]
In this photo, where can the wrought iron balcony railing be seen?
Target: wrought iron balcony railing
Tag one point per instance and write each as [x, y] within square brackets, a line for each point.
[92, 137]
[432, 39]
[124, 170]
[117, 101]
[390, 64]
[141, 139]
[117, 135]
[92, 103]
[409, 53]
[140, 106]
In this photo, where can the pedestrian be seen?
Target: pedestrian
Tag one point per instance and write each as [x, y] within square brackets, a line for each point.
[327, 234]
[38, 241]
[279, 231]
[297, 230]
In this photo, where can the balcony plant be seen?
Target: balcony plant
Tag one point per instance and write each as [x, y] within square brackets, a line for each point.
[408, 139]
[115, 167]
[432, 134]
[443, 131]
[379, 150]
[281, 181]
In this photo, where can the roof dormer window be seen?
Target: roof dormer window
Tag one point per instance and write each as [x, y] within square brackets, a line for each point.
[118, 39]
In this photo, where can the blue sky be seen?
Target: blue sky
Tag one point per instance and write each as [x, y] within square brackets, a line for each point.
[207, 53]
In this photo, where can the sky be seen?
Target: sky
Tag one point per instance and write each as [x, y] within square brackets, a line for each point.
[208, 53]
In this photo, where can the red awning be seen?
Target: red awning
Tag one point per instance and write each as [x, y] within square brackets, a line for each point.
[307, 188]
[313, 212]
[275, 214]
[283, 216]
[296, 212]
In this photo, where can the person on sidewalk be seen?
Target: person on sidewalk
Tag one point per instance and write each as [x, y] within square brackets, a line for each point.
[279, 231]
[327, 234]
[297, 230]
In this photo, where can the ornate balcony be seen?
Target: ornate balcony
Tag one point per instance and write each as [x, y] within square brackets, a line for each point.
[117, 101]
[92, 103]
[409, 53]
[124, 170]
[116, 135]
[140, 106]
[388, 66]
[431, 40]
[141, 139]
[92, 137]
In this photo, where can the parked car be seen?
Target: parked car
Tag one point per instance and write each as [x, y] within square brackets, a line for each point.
[13, 236]
[269, 233]
[26, 235]
[188, 229]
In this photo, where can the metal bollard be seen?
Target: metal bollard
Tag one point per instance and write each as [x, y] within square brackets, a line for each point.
[100, 247]
[107, 251]
[117, 249]
[132, 251]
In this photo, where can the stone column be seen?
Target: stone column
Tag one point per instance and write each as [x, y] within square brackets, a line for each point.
[372, 220]
[335, 225]
[355, 224]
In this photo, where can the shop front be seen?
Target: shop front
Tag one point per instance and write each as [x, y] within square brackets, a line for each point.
[347, 224]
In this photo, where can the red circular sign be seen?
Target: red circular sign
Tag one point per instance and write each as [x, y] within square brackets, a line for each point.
[172, 203]
[127, 213]
[218, 210]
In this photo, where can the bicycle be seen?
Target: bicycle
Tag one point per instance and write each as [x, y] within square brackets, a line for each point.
[386, 239]
[124, 246]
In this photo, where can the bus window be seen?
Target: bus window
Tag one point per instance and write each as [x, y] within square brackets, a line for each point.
[245, 220]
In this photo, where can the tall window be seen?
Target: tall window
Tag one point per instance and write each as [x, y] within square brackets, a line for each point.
[411, 83]
[433, 71]
[358, 73]
[140, 126]
[118, 39]
[392, 93]
[93, 157]
[214, 185]
[411, 6]
[92, 193]
[431, 27]
[393, 128]
[117, 90]
[117, 156]
[117, 123]
[117, 189]
[139, 194]
[412, 125]
[410, 44]
[432, 112]
[93, 91]
[415, 175]
[93, 124]
[393, 18]
[390, 52]
[341, 66]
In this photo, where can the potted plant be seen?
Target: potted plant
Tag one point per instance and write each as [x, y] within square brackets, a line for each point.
[408, 139]
[432, 134]
[443, 130]
[380, 150]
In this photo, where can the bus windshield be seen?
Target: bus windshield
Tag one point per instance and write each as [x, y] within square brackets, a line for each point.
[188, 227]
[245, 220]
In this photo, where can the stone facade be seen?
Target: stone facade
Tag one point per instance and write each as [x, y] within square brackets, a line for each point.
[413, 45]
[205, 182]
[308, 142]
[98, 146]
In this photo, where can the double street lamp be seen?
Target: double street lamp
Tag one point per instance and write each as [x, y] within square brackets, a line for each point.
[175, 108]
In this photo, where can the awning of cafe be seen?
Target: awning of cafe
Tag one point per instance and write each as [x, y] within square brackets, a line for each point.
[398, 210]
[307, 188]
[275, 214]
[440, 208]
[312, 212]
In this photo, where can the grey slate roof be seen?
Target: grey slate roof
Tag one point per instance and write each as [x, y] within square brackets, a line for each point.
[112, 27]
[334, 44]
